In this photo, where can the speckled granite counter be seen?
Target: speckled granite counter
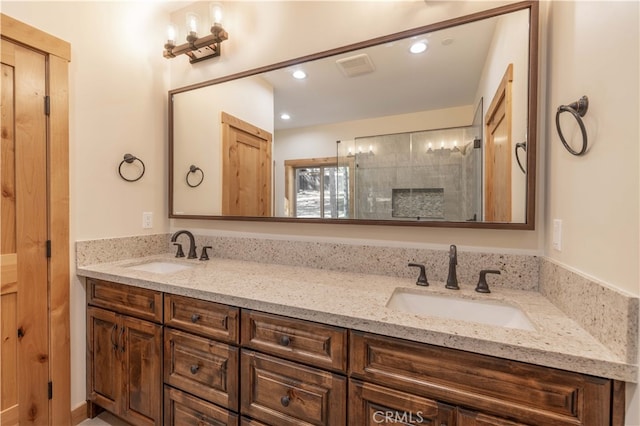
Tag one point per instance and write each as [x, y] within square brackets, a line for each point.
[358, 301]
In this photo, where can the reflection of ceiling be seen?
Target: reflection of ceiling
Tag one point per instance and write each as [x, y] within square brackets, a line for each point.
[444, 76]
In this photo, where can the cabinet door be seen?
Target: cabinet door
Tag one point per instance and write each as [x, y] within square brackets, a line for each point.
[103, 361]
[371, 404]
[284, 393]
[141, 352]
[473, 418]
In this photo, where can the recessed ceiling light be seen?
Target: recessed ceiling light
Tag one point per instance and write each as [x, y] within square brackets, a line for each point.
[299, 75]
[418, 47]
[447, 41]
[285, 116]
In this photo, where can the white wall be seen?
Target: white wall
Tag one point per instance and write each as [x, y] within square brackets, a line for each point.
[118, 91]
[593, 49]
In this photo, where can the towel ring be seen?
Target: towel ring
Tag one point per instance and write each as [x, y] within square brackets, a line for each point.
[578, 110]
[522, 145]
[194, 169]
[128, 158]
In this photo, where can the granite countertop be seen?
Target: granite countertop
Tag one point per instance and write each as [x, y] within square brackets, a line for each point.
[358, 301]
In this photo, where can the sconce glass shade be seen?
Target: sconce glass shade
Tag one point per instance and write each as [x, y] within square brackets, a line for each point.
[216, 13]
[192, 22]
[171, 35]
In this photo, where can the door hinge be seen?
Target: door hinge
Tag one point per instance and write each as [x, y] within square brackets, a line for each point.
[50, 390]
[47, 105]
[48, 248]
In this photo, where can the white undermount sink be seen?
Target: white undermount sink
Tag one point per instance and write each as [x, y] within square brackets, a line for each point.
[160, 267]
[491, 312]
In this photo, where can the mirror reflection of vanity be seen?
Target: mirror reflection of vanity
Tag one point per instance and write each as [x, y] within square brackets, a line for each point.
[376, 134]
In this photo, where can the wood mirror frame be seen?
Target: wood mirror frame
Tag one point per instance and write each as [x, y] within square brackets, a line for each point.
[531, 136]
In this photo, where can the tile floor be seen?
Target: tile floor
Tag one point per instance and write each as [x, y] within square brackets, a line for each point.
[104, 419]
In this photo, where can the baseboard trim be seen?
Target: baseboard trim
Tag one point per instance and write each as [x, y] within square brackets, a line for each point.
[79, 414]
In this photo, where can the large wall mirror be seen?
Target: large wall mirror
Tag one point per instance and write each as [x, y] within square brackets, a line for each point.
[371, 133]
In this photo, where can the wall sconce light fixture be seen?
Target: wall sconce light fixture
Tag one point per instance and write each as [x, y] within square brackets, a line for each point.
[198, 48]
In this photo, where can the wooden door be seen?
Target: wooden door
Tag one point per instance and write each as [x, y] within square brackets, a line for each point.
[246, 168]
[25, 290]
[498, 153]
[104, 372]
[35, 187]
[140, 346]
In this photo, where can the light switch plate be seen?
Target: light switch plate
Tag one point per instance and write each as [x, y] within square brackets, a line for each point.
[147, 220]
[557, 234]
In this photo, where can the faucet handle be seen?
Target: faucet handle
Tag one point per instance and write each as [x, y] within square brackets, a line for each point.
[482, 286]
[179, 253]
[422, 279]
[204, 255]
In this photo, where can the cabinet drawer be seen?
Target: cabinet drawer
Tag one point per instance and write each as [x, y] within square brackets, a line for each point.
[138, 302]
[246, 421]
[283, 393]
[182, 409]
[316, 344]
[514, 390]
[202, 367]
[208, 319]
[472, 418]
[371, 404]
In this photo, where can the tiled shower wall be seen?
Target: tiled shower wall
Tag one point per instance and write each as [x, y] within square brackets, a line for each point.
[410, 176]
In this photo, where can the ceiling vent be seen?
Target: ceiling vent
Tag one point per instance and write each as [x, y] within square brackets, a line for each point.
[355, 65]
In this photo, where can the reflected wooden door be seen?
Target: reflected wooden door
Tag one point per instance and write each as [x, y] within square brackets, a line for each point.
[246, 168]
[498, 153]
[24, 362]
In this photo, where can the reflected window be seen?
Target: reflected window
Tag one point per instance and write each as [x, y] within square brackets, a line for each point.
[317, 188]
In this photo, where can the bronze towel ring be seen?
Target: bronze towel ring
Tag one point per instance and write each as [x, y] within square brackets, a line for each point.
[194, 169]
[578, 109]
[128, 158]
[522, 145]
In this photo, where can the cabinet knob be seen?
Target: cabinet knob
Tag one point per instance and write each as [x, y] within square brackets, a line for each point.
[194, 369]
[285, 401]
[285, 340]
[195, 318]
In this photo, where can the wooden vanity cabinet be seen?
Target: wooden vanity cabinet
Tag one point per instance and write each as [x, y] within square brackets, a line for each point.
[223, 365]
[201, 362]
[124, 352]
[502, 392]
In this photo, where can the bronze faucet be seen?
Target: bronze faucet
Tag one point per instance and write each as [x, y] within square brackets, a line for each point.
[452, 279]
[192, 243]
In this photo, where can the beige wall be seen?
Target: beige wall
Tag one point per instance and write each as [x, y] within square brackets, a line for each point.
[593, 49]
[119, 83]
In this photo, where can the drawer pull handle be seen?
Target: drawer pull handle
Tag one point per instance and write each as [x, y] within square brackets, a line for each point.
[194, 369]
[195, 318]
[285, 401]
[285, 340]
